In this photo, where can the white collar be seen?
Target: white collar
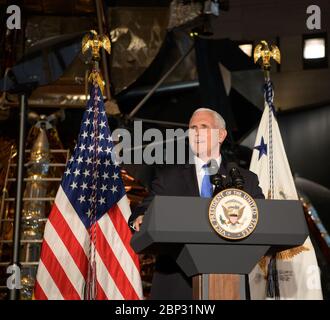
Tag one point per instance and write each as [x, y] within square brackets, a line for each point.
[200, 163]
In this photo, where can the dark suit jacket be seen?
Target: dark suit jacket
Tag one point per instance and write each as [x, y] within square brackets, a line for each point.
[169, 282]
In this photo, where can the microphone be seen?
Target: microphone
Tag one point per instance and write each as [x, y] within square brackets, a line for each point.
[215, 177]
[237, 179]
[212, 167]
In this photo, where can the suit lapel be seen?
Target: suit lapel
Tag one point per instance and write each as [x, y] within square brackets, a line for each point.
[189, 175]
[223, 170]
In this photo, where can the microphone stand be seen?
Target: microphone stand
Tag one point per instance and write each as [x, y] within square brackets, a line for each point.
[218, 182]
[236, 180]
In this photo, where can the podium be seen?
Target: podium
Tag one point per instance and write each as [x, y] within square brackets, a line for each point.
[217, 266]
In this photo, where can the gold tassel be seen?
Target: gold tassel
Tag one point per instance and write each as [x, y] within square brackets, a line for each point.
[96, 79]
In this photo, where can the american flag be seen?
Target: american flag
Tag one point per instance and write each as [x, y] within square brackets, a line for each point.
[86, 252]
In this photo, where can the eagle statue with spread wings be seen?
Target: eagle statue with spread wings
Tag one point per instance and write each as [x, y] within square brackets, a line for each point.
[95, 42]
[265, 53]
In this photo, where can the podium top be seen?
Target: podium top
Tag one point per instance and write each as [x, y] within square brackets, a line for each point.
[184, 220]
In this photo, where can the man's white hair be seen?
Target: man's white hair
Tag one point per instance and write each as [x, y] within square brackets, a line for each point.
[216, 115]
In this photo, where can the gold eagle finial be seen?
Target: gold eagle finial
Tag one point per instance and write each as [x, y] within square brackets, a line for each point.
[264, 53]
[95, 42]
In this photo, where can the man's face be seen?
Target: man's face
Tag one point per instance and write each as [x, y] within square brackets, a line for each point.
[205, 135]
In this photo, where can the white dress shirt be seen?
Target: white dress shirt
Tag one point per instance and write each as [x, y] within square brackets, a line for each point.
[200, 172]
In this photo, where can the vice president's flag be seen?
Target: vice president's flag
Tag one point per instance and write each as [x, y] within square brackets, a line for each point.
[297, 269]
[86, 251]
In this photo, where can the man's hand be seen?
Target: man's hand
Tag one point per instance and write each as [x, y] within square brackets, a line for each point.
[137, 222]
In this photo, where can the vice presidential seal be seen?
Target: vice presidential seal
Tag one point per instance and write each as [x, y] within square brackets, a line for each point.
[233, 214]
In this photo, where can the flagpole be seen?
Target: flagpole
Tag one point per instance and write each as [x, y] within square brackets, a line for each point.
[263, 53]
[100, 20]
[94, 42]
[14, 292]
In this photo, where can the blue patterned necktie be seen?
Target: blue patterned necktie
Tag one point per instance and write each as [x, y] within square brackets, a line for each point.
[207, 187]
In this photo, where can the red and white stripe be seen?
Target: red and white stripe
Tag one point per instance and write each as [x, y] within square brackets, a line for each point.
[63, 266]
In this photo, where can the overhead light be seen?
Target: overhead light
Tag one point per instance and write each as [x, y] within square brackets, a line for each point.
[314, 48]
[315, 51]
[246, 48]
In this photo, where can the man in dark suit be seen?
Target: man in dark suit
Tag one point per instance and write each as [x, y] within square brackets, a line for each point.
[207, 131]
